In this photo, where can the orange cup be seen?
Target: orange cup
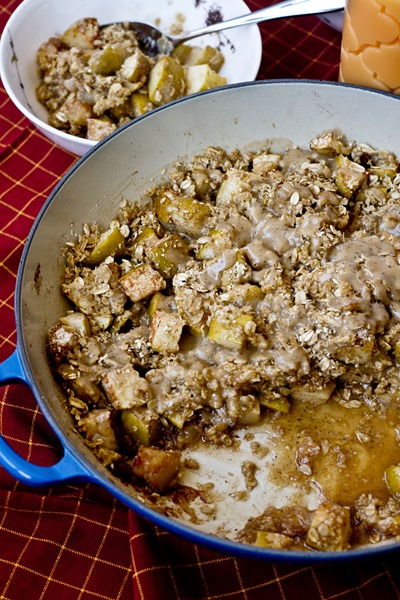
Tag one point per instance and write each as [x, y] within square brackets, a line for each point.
[370, 52]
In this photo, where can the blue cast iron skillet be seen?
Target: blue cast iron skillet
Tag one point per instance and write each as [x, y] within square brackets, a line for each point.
[121, 167]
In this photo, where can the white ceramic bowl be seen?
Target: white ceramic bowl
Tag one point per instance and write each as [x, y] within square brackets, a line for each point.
[334, 20]
[34, 21]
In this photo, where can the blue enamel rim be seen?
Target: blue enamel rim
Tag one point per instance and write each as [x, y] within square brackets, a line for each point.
[74, 467]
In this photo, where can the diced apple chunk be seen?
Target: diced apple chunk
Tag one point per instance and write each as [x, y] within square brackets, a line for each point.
[215, 243]
[236, 182]
[181, 53]
[168, 254]
[392, 478]
[251, 294]
[198, 55]
[359, 353]
[207, 55]
[78, 322]
[161, 302]
[141, 103]
[136, 67]
[166, 81]
[97, 427]
[201, 77]
[140, 425]
[330, 528]
[125, 388]
[142, 281]
[251, 410]
[81, 384]
[316, 393]
[177, 418]
[163, 203]
[98, 129]
[144, 241]
[111, 243]
[238, 273]
[349, 176]
[329, 144]
[268, 539]
[159, 468]
[265, 162]
[61, 340]
[165, 331]
[182, 213]
[280, 404]
[81, 34]
[75, 111]
[107, 60]
[103, 321]
[156, 302]
[230, 333]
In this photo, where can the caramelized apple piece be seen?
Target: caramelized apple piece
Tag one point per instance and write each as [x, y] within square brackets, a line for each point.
[158, 468]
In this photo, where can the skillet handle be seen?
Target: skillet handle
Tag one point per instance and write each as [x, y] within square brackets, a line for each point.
[67, 469]
[11, 370]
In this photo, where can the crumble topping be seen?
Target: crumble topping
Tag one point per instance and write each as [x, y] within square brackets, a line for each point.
[255, 287]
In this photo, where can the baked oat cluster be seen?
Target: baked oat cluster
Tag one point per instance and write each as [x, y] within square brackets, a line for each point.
[94, 79]
[250, 284]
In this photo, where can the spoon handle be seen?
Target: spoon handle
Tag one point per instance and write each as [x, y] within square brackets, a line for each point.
[288, 8]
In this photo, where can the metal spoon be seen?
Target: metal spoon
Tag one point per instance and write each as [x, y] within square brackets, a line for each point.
[154, 41]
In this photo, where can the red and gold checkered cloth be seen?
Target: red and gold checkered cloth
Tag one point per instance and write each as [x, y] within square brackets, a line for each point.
[76, 541]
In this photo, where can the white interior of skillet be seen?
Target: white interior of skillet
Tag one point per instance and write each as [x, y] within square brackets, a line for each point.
[123, 167]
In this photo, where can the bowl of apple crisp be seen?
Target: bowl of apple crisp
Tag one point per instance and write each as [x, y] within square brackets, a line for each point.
[78, 81]
[215, 336]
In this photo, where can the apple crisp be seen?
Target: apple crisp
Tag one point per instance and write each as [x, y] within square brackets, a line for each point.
[94, 79]
[249, 288]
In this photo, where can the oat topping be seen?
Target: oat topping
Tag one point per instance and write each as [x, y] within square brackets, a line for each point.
[94, 79]
[255, 287]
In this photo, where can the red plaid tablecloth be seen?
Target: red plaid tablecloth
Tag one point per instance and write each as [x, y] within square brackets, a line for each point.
[76, 541]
